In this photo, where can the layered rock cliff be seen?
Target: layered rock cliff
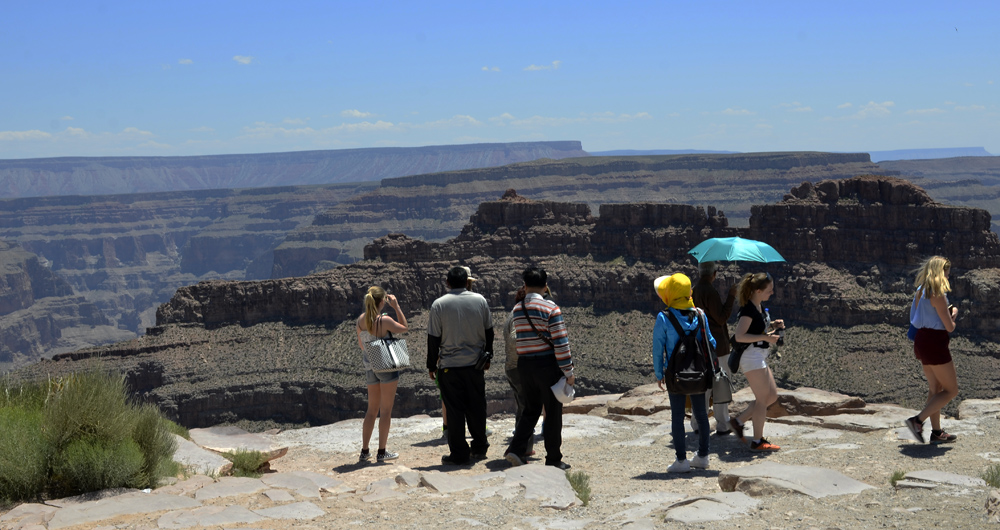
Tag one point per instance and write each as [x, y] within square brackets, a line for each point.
[107, 175]
[436, 207]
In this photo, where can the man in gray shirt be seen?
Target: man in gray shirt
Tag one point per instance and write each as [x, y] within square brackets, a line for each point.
[459, 331]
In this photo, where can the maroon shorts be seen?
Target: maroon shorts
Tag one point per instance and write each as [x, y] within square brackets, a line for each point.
[931, 346]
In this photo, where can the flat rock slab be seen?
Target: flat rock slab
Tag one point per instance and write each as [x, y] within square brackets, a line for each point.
[447, 482]
[583, 405]
[129, 504]
[323, 482]
[208, 516]
[26, 515]
[583, 426]
[228, 439]
[903, 484]
[804, 401]
[277, 495]
[90, 497]
[771, 478]
[545, 483]
[300, 511]
[714, 507]
[302, 486]
[230, 487]
[199, 460]
[558, 523]
[972, 409]
[187, 487]
[943, 477]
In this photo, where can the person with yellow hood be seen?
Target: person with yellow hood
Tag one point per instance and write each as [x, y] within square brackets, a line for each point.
[675, 291]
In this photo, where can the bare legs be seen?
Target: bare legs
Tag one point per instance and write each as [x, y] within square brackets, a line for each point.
[381, 397]
[765, 392]
[943, 384]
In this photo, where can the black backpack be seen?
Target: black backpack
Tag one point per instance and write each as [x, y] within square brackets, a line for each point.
[692, 365]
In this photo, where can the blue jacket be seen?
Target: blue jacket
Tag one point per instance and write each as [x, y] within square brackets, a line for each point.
[665, 337]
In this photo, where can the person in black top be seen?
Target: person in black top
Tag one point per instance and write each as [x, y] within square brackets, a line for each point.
[752, 327]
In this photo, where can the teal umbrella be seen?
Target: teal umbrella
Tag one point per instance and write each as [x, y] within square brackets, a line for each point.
[734, 249]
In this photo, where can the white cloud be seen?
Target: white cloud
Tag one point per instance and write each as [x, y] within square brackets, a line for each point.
[76, 131]
[133, 131]
[491, 69]
[203, 128]
[295, 121]
[970, 107]
[925, 111]
[66, 118]
[737, 112]
[547, 121]
[535, 67]
[949, 102]
[243, 59]
[764, 126]
[969, 84]
[154, 145]
[20, 136]
[845, 106]
[185, 61]
[355, 113]
[874, 110]
[459, 120]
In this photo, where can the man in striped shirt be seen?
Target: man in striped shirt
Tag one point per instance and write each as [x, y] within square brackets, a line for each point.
[543, 357]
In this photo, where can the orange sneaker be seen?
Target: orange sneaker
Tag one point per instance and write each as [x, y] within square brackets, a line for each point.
[763, 445]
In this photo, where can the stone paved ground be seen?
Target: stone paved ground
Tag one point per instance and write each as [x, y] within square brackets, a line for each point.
[319, 484]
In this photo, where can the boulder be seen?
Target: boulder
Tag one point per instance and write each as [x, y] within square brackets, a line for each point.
[804, 401]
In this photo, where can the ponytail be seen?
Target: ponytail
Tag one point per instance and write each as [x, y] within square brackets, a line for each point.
[373, 299]
[749, 283]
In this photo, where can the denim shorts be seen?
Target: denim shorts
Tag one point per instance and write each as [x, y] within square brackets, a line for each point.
[373, 378]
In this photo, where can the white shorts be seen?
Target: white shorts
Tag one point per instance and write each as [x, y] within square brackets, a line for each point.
[753, 359]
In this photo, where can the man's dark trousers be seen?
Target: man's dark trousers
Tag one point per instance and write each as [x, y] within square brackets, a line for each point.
[538, 374]
[464, 393]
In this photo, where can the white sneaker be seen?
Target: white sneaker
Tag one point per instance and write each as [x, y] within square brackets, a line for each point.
[700, 462]
[679, 466]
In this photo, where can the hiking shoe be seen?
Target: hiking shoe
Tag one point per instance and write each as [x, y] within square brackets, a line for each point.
[365, 456]
[384, 455]
[916, 428]
[700, 462]
[679, 466]
[478, 456]
[447, 460]
[737, 428]
[514, 459]
[763, 445]
[726, 432]
[561, 465]
[941, 437]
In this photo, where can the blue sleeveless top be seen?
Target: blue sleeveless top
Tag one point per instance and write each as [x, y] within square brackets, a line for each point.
[923, 315]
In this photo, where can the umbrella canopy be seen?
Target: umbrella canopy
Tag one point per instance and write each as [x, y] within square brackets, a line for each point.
[735, 249]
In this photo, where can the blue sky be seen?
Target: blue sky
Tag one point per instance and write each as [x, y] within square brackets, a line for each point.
[190, 78]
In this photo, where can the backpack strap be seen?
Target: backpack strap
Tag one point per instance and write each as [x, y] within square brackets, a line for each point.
[677, 327]
[708, 345]
[545, 339]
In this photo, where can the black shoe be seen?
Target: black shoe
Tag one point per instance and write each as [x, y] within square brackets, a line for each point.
[478, 456]
[941, 437]
[916, 427]
[726, 432]
[561, 465]
[447, 460]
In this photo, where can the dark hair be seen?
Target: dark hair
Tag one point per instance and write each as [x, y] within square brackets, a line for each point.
[457, 278]
[534, 277]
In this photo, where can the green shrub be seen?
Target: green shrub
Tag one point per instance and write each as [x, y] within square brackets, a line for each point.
[992, 475]
[91, 465]
[896, 477]
[156, 443]
[580, 482]
[174, 428]
[90, 405]
[246, 463]
[23, 454]
[80, 433]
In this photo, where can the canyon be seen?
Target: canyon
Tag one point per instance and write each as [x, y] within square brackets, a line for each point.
[283, 350]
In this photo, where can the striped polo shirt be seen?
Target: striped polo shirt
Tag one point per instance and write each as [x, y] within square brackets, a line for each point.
[547, 318]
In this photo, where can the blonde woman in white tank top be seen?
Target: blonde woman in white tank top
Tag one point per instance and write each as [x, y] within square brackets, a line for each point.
[381, 386]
